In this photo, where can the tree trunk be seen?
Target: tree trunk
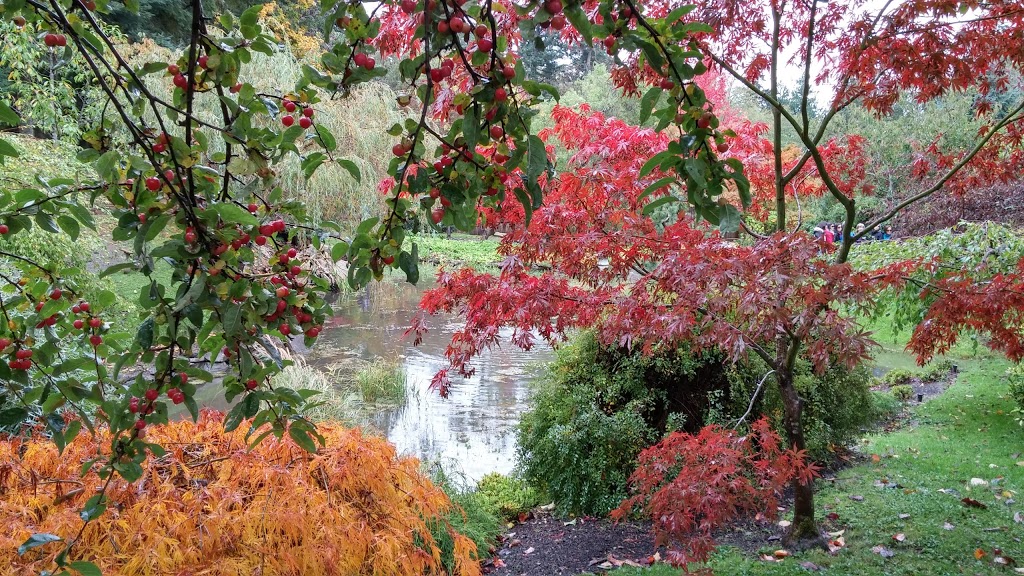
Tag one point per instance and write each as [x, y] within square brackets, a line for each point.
[804, 532]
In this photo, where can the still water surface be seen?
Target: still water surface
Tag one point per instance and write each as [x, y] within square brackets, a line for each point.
[472, 431]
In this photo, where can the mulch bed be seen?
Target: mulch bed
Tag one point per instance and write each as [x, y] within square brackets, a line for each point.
[550, 546]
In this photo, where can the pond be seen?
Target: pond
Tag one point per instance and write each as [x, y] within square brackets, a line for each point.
[473, 431]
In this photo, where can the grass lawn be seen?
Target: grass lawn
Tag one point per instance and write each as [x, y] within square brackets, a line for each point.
[460, 250]
[915, 485]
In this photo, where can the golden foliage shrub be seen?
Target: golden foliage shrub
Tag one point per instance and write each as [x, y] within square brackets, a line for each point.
[211, 507]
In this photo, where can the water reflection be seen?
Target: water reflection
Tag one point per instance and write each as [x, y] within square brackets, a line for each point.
[474, 428]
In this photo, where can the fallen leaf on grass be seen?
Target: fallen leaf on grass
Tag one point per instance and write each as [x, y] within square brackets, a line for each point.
[1018, 518]
[876, 458]
[899, 537]
[947, 526]
[832, 516]
[529, 550]
[856, 498]
[780, 554]
[972, 503]
[1003, 560]
[883, 551]
[810, 566]
[904, 516]
[768, 558]
[979, 482]
[979, 553]
[835, 545]
[784, 523]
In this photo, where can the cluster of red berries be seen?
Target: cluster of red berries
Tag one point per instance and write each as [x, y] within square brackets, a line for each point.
[364, 61]
[22, 359]
[557, 21]
[176, 395]
[52, 40]
[305, 119]
[443, 71]
[94, 322]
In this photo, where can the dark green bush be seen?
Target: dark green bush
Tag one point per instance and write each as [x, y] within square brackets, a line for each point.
[838, 403]
[505, 496]
[594, 410]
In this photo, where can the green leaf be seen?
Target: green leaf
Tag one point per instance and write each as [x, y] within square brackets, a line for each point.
[7, 149]
[85, 568]
[729, 218]
[654, 162]
[471, 127]
[69, 225]
[326, 138]
[94, 508]
[695, 169]
[36, 540]
[366, 225]
[409, 263]
[13, 416]
[251, 16]
[117, 268]
[130, 471]
[352, 169]
[301, 437]
[234, 214]
[650, 208]
[232, 319]
[679, 13]
[8, 115]
[107, 165]
[339, 250]
[647, 103]
[144, 336]
[311, 163]
[657, 186]
[537, 158]
[234, 417]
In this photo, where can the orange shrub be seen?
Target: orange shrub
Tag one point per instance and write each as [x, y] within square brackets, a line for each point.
[211, 507]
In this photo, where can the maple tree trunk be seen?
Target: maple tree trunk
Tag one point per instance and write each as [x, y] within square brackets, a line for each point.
[804, 532]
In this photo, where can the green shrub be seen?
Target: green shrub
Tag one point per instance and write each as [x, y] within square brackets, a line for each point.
[1016, 376]
[505, 496]
[594, 410]
[838, 407]
[902, 392]
[472, 518]
[937, 371]
[897, 376]
[382, 382]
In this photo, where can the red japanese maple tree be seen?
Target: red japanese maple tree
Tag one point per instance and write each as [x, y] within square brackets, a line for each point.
[624, 242]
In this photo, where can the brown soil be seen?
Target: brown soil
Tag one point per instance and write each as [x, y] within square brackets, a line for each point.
[549, 546]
